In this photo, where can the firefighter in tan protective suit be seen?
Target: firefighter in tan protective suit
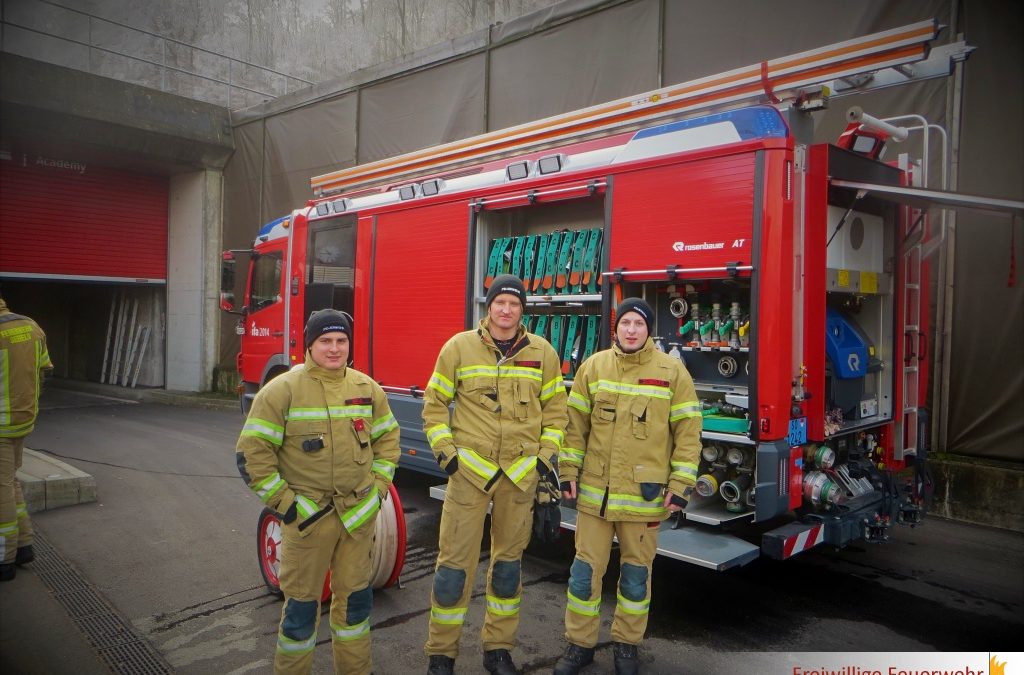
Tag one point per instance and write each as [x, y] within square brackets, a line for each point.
[502, 438]
[23, 358]
[320, 446]
[630, 457]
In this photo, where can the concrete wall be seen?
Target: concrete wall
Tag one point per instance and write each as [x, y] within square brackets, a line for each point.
[193, 244]
[975, 491]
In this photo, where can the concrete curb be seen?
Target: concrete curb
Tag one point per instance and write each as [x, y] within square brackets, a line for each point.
[163, 396]
[48, 483]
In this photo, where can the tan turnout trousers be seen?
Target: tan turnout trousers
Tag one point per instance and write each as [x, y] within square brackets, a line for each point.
[638, 544]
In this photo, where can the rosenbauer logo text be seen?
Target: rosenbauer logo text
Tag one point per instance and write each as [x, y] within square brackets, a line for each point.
[707, 245]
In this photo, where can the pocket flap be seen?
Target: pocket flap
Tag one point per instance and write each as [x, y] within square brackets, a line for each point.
[639, 406]
[650, 474]
[307, 428]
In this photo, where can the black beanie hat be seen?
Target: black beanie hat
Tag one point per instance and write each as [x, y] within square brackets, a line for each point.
[506, 283]
[635, 305]
[326, 321]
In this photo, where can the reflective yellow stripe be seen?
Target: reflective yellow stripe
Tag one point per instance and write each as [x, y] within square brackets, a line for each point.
[632, 607]
[556, 436]
[635, 504]
[347, 633]
[579, 403]
[361, 512]
[437, 433]
[268, 431]
[590, 494]
[684, 410]
[631, 389]
[551, 388]
[442, 384]
[503, 606]
[306, 414]
[583, 607]
[685, 471]
[570, 455]
[305, 507]
[521, 467]
[448, 615]
[382, 425]
[477, 464]
[286, 645]
[384, 468]
[268, 487]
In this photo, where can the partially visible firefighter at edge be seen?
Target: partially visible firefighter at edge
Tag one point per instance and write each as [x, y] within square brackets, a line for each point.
[499, 444]
[320, 446]
[630, 458]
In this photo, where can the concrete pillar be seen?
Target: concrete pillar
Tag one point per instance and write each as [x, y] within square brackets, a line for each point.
[193, 279]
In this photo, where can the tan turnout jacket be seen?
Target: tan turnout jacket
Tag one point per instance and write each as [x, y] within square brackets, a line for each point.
[633, 419]
[508, 410]
[345, 409]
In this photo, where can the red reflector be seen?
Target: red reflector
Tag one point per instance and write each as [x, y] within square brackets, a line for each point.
[411, 451]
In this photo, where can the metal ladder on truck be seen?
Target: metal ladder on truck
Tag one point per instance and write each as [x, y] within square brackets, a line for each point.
[802, 81]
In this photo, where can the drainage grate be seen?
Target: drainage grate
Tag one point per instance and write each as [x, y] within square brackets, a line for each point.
[113, 638]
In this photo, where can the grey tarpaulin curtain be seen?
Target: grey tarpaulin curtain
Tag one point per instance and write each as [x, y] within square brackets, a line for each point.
[583, 52]
[434, 106]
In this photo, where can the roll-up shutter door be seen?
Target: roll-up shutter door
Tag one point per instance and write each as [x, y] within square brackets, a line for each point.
[62, 219]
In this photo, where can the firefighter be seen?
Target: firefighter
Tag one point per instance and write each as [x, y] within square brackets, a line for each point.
[501, 440]
[320, 446]
[630, 457]
[23, 359]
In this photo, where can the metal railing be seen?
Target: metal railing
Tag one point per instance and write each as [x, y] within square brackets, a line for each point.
[37, 28]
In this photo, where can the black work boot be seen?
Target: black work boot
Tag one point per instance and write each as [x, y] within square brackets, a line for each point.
[441, 665]
[574, 660]
[7, 571]
[25, 555]
[499, 662]
[626, 661]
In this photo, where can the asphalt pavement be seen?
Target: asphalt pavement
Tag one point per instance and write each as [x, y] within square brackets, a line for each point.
[159, 574]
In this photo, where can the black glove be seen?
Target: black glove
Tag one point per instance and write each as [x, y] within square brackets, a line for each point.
[547, 522]
[678, 501]
[650, 491]
[290, 514]
[451, 467]
[565, 485]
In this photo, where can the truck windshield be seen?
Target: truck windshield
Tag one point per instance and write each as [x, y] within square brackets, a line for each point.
[266, 281]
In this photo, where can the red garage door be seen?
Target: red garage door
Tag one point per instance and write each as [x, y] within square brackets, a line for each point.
[62, 219]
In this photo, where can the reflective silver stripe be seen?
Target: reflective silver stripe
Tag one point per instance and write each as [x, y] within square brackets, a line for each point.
[584, 607]
[571, 455]
[448, 615]
[268, 487]
[556, 436]
[263, 429]
[551, 388]
[632, 607]
[685, 470]
[503, 606]
[437, 433]
[521, 467]
[578, 402]
[477, 464]
[361, 512]
[351, 411]
[619, 502]
[305, 507]
[346, 633]
[384, 468]
[288, 646]
[590, 494]
[383, 425]
[5, 388]
[684, 410]
[476, 371]
[442, 384]
[306, 414]
[519, 371]
[631, 389]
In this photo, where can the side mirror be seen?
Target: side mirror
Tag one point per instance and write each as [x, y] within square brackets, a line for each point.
[227, 302]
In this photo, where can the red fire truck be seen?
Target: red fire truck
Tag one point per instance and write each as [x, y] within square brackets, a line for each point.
[788, 276]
